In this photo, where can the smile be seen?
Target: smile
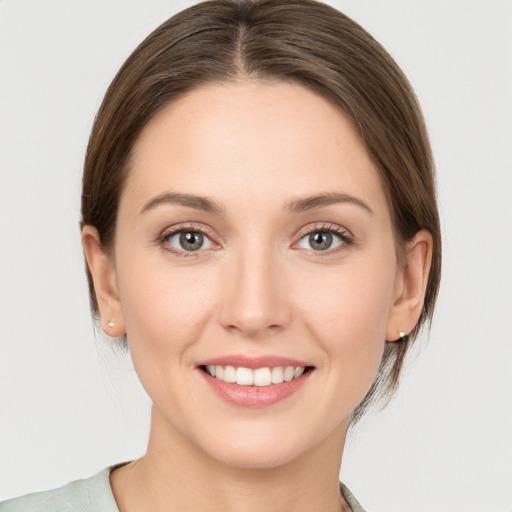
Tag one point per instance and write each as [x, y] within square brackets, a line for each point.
[260, 377]
[255, 382]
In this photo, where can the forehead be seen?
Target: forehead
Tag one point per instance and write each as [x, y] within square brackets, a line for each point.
[251, 140]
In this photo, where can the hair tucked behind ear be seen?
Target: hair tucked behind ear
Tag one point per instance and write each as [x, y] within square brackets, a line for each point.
[301, 41]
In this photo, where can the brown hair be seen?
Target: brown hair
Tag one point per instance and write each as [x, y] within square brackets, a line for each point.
[302, 41]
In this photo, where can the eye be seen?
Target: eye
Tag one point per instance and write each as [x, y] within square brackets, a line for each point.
[187, 240]
[324, 240]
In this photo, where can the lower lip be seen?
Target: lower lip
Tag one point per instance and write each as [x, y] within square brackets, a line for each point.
[255, 396]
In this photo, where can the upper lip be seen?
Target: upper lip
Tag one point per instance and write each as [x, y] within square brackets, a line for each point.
[240, 360]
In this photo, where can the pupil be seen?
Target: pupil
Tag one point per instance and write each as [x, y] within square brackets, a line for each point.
[320, 240]
[191, 241]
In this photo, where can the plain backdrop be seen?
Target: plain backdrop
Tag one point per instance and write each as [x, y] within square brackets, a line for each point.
[70, 405]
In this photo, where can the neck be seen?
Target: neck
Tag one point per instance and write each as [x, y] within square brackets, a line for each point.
[176, 475]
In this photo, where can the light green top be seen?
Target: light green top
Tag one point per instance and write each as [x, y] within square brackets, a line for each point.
[94, 495]
[91, 495]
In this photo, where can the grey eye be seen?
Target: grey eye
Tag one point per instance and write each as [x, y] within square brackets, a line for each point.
[320, 241]
[189, 241]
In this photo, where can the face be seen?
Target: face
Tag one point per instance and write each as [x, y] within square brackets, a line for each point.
[254, 235]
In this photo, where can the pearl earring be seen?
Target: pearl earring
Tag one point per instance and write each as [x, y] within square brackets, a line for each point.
[111, 323]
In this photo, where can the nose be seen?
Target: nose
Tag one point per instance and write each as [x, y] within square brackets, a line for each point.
[255, 302]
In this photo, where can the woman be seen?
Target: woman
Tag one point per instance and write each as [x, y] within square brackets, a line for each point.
[259, 221]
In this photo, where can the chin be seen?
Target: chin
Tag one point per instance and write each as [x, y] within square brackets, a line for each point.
[257, 451]
[248, 458]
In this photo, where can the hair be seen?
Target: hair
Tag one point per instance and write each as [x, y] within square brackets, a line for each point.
[300, 41]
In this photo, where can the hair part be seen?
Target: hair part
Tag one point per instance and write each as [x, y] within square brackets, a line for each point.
[301, 41]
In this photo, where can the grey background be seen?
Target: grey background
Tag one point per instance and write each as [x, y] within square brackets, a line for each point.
[70, 406]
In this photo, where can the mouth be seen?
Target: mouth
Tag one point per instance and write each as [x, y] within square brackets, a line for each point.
[258, 377]
[255, 382]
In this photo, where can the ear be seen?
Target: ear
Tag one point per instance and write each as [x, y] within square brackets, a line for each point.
[411, 283]
[102, 269]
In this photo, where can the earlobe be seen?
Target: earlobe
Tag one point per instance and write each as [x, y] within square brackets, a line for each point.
[102, 269]
[411, 286]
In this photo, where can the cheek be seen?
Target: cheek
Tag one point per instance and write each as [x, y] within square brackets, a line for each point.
[346, 312]
[165, 311]
[165, 314]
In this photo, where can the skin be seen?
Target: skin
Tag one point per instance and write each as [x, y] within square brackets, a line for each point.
[259, 288]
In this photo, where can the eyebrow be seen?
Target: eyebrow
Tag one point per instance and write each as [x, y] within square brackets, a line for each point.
[296, 206]
[190, 201]
[321, 200]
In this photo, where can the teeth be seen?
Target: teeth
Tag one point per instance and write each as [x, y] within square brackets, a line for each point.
[298, 372]
[277, 375]
[244, 376]
[258, 377]
[262, 377]
[289, 372]
[229, 374]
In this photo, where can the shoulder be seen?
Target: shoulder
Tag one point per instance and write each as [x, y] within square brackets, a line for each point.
[91, 494]
[349, 498]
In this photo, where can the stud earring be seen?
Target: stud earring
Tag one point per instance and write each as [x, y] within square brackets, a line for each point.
[111, 323]
[403, 338]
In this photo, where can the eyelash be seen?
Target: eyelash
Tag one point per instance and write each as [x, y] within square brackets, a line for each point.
[164, 238]
[346, 237]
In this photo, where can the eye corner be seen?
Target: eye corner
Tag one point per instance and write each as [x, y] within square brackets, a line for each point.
[201, 233]
[331, 232]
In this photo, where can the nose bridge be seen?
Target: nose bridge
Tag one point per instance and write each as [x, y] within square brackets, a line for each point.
[254, 302]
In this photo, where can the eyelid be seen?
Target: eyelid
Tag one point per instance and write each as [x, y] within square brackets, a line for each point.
[325, 226]
[187, 226]
[190, 226]
[335, 229]
[343, 233]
